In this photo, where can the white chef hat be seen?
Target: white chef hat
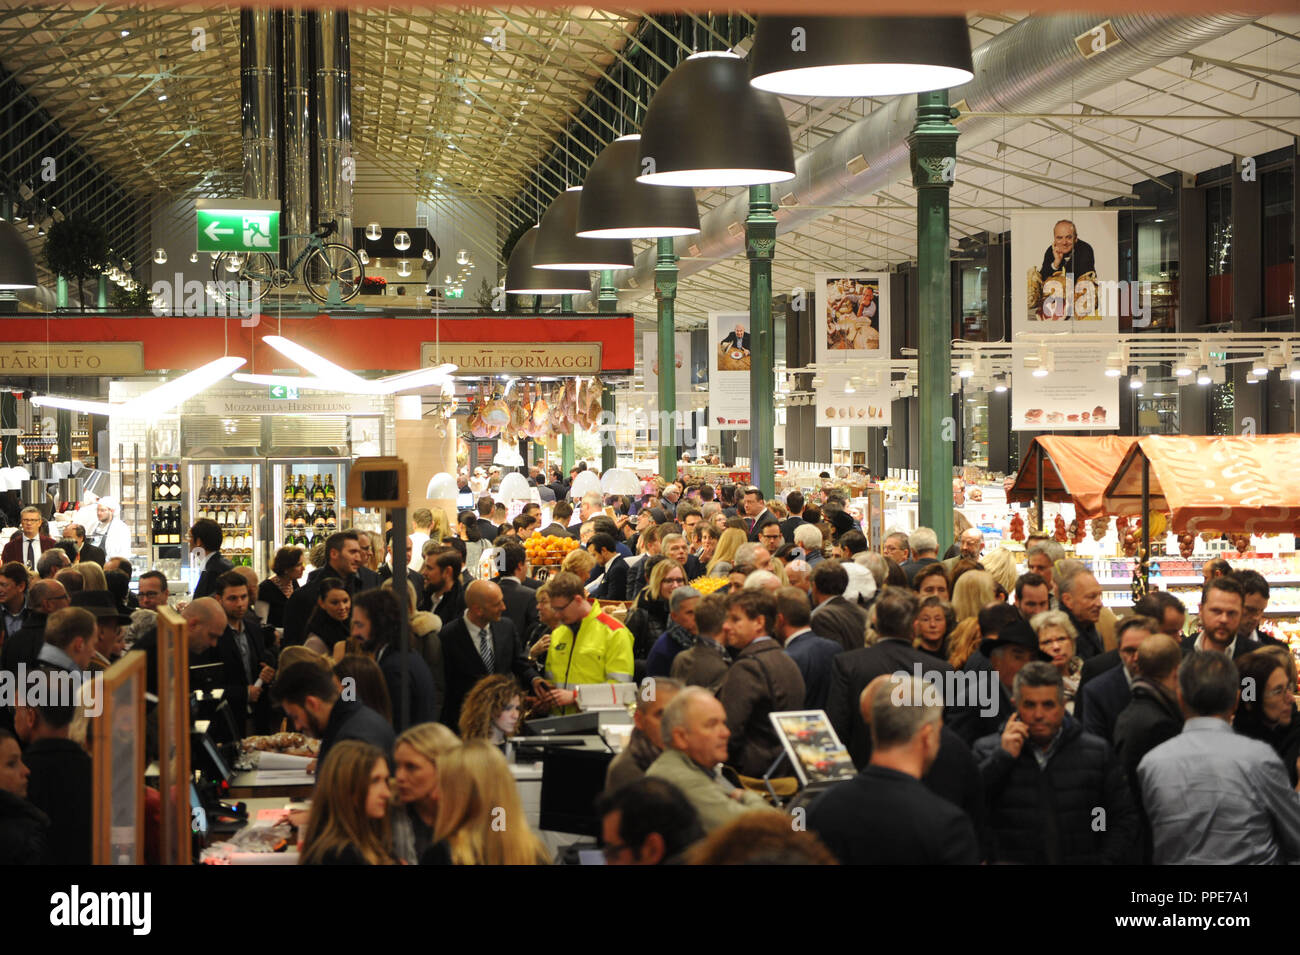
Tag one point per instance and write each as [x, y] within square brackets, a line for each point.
[109, 501]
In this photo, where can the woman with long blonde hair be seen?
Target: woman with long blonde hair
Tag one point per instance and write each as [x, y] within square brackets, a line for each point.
[348, 824]
[415, 811]
[480, 818]
[973, 592]
[728, 544]
[1001, 563]
[92, 574]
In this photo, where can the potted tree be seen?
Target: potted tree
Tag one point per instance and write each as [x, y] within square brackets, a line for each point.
[74, 249]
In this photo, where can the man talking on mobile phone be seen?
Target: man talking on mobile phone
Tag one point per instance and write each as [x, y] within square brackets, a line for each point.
[1056, 795]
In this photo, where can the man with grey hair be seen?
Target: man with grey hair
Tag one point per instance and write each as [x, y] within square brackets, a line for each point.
[589, 506]
[1056, 795]
[753, 553]
[51, 562]
[924, 543]
[809, 539]
[896, 548]
[762, 580]
[647, 741]
[885, 815]
[28, 544]
[679, 635]
[695, 736]
[1079, 594]
[1212, 795]
[1041, 559]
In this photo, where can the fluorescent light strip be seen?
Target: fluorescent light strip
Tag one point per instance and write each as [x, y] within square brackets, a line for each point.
[75, 404]
[321, 367]
[154, 402]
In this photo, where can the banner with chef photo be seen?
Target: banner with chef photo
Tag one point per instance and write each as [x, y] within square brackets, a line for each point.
[851, 316]
[729, 371]
[863, 406]
[1064, 277]
[681, 361]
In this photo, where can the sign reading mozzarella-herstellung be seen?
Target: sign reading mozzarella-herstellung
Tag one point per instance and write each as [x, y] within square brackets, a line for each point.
[503, 358]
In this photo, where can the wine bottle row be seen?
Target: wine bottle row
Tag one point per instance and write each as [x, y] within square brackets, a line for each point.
[164, 483]
[226, 491]
[316, 492]
[167, 524]
[228, 516]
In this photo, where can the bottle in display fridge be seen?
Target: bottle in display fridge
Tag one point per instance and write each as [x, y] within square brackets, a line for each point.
[309, 503]
[228, 493]
[167, 528]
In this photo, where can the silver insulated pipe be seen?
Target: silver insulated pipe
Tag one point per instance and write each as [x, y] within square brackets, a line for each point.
[1042, 64]
[333, 94]
[258, 56]
[295, 72]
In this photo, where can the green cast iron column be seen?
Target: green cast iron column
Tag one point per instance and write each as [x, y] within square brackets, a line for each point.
[607, 302]
[760, 242]
[60, 292]
[933, 145]
[101, 296]
[666, 296]
[567, 450]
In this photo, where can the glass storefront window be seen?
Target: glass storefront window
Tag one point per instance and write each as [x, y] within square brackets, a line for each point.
[975, 428]
[1278, 245]
[1218, 245]
[1156, 407]
[974, 303]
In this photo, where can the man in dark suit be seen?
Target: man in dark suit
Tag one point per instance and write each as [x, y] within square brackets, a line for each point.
[312, 701]
[521, 599]
[795, 502]
[60, 784]
[75, 546]
[486, 529]
[834, 617]
[206, 534]
[1220, 613]
[886, 815]
[1100, 701]
[377, 627]
[614, 585]
[246, 664]
[342, 560]
[737, 338]
[478, 644]
[28, 543]
[559, 526]
[811, 653]
[758, 516]
[852, 671]
[44, 597]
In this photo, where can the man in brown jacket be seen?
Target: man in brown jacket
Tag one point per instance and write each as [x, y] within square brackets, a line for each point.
[762, 680]
[705, 664]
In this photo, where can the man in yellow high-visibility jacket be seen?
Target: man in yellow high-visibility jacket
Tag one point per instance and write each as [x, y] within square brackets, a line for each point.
[589, 647]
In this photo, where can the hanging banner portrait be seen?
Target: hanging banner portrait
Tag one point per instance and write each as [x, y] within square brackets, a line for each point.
[729, 370]
[1064, 282]
[851, 316]
[866, 406]
[681, 362]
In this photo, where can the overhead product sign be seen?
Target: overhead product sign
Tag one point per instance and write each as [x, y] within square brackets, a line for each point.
[515, 358]
[238, 225]
[681, 362]
[851, 332]
[1064, 275]
[76, 358]
[729, 368]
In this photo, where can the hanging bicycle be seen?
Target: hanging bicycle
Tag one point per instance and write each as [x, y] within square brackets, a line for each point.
[323, 266]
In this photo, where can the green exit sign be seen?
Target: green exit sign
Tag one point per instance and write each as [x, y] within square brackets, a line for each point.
[238, 225]
[284, 392]
[455, 293]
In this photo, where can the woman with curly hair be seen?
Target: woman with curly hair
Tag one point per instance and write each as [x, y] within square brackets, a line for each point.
[348, 824]
[492, 710]
[476, 793]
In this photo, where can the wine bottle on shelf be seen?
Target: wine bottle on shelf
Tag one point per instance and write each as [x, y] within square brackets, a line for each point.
[288, 487]
[153, 483]
[243, 516]
[175, 535]
[317, 491]
[329, 488]
[176, 482]
[245, 493]
[300, 491]
[154, 529]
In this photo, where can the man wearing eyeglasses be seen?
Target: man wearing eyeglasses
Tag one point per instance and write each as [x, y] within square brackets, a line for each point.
[606, 645]
[44, 597]
[27, 545]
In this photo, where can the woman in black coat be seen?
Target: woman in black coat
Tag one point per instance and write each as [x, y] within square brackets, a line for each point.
[287, 569]
[649, 616]
[1270, 714]
[22, 826]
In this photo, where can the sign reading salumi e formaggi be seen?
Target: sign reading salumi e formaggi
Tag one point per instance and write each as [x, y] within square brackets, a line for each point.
[520, 358]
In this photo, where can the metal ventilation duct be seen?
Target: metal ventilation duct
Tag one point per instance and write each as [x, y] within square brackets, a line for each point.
[1034, 66]
[295, 76]
[333, 106]
[258, 65]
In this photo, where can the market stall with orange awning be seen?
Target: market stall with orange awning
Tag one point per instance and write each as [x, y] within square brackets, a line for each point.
[1075, 469]
[1225, 484]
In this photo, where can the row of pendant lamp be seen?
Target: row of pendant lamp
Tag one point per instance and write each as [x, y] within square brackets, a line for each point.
[716, 122]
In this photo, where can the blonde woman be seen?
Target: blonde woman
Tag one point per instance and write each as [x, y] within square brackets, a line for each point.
[415, 811]
[492, 710]
[92, 574]
[974, 591]
[1001, 563]
[579, 562]
[1057, 637]
[348, 824]
[480, 818]
[728, 544]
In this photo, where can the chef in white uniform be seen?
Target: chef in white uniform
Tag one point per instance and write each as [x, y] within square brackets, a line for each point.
[108, 530]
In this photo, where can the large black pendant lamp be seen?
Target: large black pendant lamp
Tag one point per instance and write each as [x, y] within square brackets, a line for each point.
[559, 247]
[860, 56]
[523, 279]
[707, 126]
[615, 206]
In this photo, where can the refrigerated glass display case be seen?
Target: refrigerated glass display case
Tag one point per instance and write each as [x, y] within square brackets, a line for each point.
[229, 492]
[310, 501]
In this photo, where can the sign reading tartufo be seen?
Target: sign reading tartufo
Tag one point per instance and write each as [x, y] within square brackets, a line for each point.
[503, 358]
[103, 358]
